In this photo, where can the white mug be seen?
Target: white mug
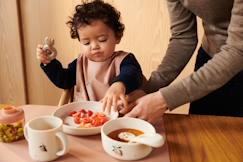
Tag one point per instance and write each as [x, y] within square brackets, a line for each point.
[46, 141]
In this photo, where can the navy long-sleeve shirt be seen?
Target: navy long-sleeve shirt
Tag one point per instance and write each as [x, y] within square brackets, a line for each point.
[65, 78]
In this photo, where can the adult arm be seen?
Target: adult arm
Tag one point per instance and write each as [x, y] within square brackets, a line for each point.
[181, 46]
[216, 72]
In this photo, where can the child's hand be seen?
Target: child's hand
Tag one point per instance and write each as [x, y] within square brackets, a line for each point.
[42, 55]
[114, 95]
[46, 52]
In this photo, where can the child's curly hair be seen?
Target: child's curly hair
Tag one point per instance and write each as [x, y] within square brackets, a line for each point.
[88, 12]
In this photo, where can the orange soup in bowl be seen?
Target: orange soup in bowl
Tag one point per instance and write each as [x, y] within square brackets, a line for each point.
[116, 134]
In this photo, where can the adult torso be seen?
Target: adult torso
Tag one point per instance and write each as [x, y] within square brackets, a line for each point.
[215, 15]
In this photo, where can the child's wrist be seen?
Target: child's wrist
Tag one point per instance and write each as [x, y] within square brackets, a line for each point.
[120, 84]
[45, 63]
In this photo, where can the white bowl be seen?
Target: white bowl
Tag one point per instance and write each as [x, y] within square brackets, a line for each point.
[122, 150]
[62, 112]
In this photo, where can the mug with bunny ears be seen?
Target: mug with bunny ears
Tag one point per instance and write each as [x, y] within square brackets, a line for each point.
[46, 141]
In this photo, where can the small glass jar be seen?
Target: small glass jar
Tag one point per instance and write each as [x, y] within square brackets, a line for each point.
[11, 124]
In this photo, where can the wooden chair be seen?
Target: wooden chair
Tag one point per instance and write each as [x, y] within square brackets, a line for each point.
[66, 96]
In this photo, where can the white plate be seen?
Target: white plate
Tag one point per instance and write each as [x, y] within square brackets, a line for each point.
[62, 112]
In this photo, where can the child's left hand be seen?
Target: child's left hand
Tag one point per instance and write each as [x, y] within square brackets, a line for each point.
[114, 95]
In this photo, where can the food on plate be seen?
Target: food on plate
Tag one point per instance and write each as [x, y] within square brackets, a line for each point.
[85, 118]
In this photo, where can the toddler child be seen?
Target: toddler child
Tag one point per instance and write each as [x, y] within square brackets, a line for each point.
[99, 72]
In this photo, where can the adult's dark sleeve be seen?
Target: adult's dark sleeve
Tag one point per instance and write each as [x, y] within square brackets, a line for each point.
[130, 73]
[64, 78]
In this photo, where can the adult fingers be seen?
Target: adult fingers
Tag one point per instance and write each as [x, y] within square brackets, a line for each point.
[152, 121]
[125, 110]
[135, 95]
[135, 112]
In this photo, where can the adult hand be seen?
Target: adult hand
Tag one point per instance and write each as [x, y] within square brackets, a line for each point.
[131, 98]
[114, 97]
[150, 107]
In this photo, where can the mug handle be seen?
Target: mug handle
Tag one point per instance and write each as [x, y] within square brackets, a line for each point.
[64, 141]
[26, 132]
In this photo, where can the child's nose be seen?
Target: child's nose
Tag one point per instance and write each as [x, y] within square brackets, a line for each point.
[95, 46]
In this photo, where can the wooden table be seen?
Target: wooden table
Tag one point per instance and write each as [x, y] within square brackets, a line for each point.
[190, 138]
[193, 138]
[82, 149]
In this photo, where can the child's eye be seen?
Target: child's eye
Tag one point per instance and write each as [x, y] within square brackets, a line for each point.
[86, 43]
[102, 39]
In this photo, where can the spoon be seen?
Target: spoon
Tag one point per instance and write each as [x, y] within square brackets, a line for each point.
[150, 139]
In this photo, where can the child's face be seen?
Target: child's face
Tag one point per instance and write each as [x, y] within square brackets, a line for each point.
[97, 41]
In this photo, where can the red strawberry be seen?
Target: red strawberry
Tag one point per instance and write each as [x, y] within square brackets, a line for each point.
[90, 113]
[71, 113]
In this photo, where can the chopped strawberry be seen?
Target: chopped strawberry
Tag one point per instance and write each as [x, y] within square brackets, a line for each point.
[101, 114]
[90, 113]
[71, 113]
[82, 111]
[95, 123]
[88, 118]
[77, 114]
[77, 120]
[103, 120]
[82, 115]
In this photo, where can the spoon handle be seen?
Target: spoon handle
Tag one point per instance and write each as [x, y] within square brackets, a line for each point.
[153, 140]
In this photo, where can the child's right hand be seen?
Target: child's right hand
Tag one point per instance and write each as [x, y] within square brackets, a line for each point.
[114, 98]
[42, 55]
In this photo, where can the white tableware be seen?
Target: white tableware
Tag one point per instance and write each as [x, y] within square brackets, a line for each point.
[46, 141]
[71, 127]
[130, 150]
[150, 139]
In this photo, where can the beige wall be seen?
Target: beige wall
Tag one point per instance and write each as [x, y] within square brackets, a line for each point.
[12, 88]
[146, 35]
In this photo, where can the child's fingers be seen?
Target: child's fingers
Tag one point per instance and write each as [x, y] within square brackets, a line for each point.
[40, 46]
[46, 62]
[124, 101]
[43, 58]
[104, 100]
[114, 104]
[40, 53]
[108, 105]
[40, 50]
